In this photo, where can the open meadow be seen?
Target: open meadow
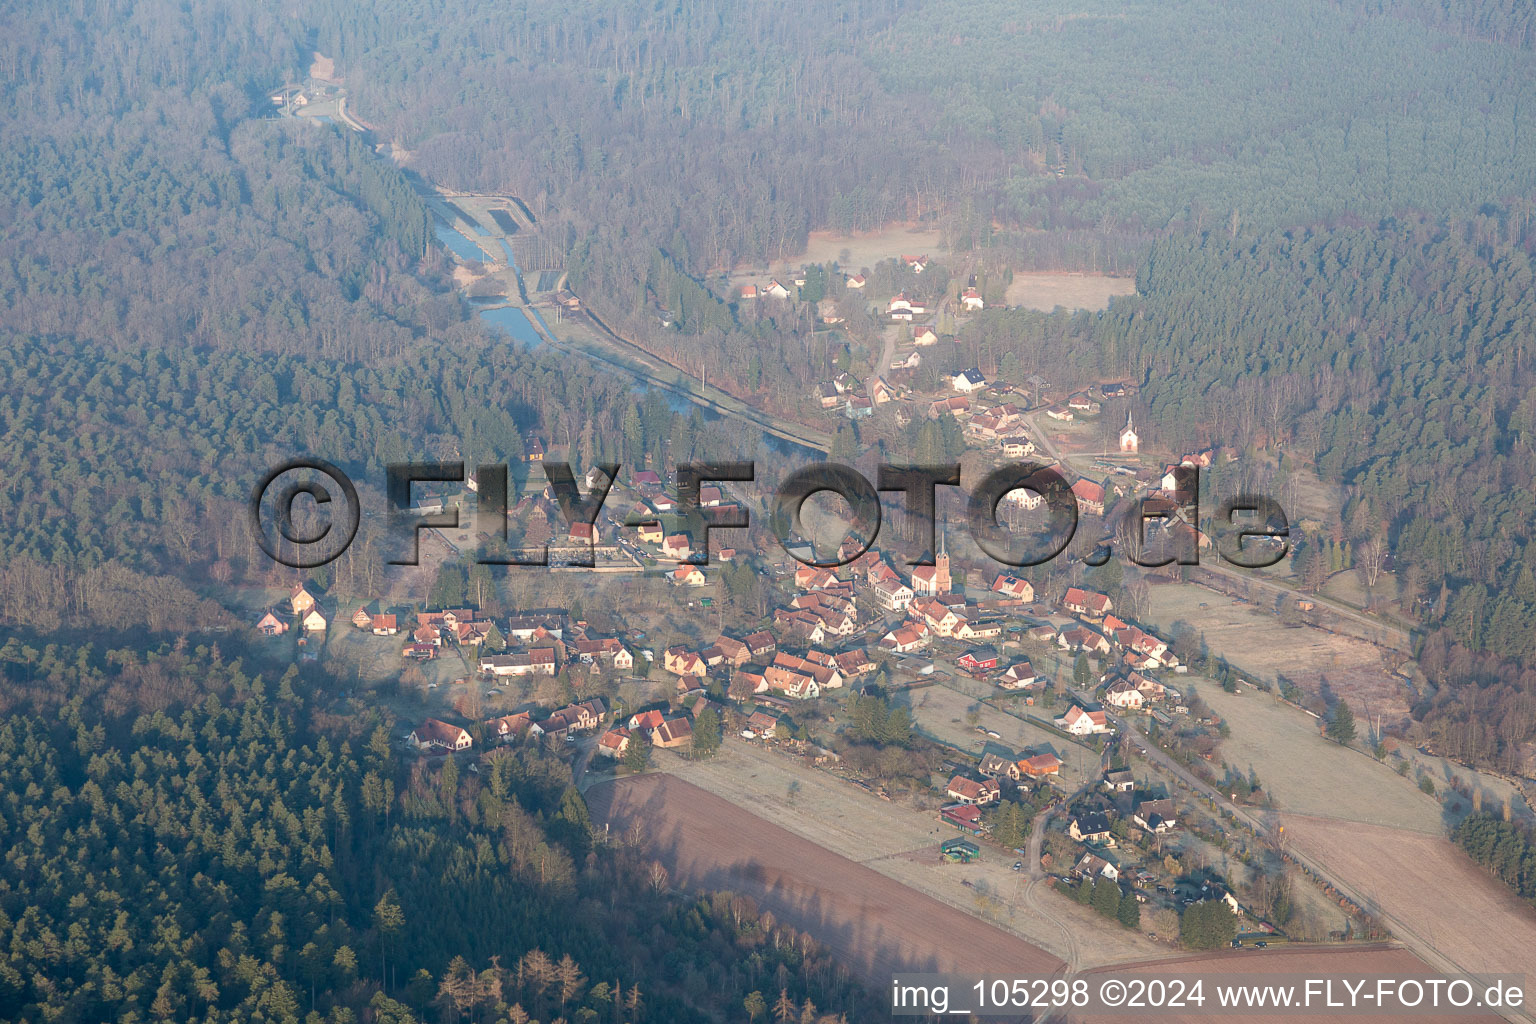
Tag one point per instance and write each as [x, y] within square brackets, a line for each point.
[1252, 638]
[1307, 773]
[1046, 292]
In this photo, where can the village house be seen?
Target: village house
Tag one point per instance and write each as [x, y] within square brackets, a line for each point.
[1091, 828]
[761, 723]
[1080, 722]
[749, 291]
[649, 532]
[312, 621]
[682, 662]
[509, 728]
[672, 733]
[1091, 865]
[523, 628]
[677, 546]
[688, 576]
[301, 599]
[1014, 588]
[271, 625]
[856, 282]
[1156, 816]
[1089, 495]
[996, 766]
[978, 628]
[1122, 694]
[776, 290]
[1081, 638]
[539, 661]
[853, 663]
[614, 742]
[761, 643]
[790, 683]
[819, 665]
[906, 638]
[645, 721]
[583, 717]
[978, 659]
[435, 735]
[383, 625]
[916, 264]
[1038, 766]
[968, 381]
[1087, 603]
[1060, 412]
[1080, 403]
[1018, 447]
[1018, 676]
[969, 791]
[733, 651]
[892, 595]
[971, 301]
[362, 618]
[923, 334]
[1119, 780]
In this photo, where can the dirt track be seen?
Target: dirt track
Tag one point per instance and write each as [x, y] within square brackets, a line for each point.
[876, 925]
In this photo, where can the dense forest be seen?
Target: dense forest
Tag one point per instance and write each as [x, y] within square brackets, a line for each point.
[1505, 849]
[187, 841]
[125, 474]
[724, 134]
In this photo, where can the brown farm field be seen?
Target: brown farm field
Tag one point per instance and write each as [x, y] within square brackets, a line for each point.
[874, 924]
[1071, 291]
[1252, 638]
[1426, 885]
[1302, 961]
[901, 843]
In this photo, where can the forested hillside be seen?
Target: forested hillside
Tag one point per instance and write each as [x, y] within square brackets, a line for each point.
[185, 841]
[126, 473]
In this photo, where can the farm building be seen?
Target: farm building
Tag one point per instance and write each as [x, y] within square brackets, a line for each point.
[961, 851]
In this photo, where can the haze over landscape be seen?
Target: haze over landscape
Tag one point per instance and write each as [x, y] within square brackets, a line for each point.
[534, 735]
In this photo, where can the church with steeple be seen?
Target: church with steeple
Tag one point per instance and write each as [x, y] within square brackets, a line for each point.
[932, 580]
[1129, 442]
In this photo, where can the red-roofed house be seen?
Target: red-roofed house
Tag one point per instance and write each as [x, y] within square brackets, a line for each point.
[969, 791]
[1014, 588]
[1079, 722]
[438, 735]
[1090, 496]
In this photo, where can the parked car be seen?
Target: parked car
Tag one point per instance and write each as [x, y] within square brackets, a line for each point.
[1018, 865]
